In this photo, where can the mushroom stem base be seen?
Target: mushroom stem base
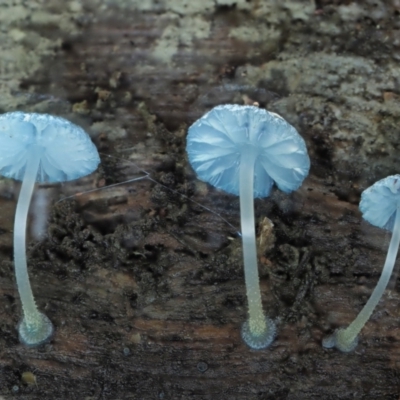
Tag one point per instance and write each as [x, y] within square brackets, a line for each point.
[262, 341]
[341, 340]
[37, 334]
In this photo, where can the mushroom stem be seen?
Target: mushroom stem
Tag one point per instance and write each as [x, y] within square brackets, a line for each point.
[346, 339]
[21, 214]
[258, 332]
[256, 313]
[34, 324]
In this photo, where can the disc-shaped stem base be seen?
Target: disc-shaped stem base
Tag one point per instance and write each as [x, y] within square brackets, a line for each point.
[36, 334]
[261, 341]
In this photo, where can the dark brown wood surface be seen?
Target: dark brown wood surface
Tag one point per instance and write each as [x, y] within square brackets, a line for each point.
[144, 281]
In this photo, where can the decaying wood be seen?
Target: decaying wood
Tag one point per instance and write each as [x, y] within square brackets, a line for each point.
[144, 281]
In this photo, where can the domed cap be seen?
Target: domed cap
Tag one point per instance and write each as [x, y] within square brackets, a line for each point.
[65, 149]
[380, 201]
[215, 142]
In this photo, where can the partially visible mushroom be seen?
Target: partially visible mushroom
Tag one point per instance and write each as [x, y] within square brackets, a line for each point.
[39, 148]
[380, 206]
[243, 150]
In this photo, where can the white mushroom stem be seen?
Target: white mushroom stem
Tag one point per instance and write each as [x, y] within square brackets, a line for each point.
[39, 207]
[345, 338]
[32, 316]
[257, 321]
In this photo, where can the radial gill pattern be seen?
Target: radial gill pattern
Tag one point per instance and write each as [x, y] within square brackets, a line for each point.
[216, 141]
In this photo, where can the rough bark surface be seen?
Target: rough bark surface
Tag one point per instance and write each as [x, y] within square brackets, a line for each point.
[144, 281]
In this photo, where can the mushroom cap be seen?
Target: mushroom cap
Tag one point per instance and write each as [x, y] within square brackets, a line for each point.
[380, 201]
[67, 152]
[215, 142]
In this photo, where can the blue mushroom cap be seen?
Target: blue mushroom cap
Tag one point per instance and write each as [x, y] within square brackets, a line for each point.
[380, 201]
[215, 142]
[67, 152]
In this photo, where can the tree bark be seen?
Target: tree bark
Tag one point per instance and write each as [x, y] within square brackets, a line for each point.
[144, 280]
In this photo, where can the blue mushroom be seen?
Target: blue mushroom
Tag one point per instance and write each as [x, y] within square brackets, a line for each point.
[39, 148]
[243, 150]
[379, 205]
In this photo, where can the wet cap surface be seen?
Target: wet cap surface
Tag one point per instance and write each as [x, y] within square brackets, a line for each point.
[380, 201]
[66, 150]
[215, 142]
